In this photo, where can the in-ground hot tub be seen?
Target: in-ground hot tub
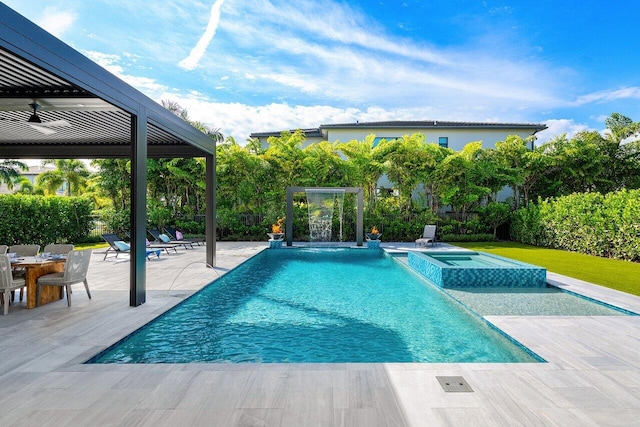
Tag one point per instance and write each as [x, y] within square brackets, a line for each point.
[467, 269]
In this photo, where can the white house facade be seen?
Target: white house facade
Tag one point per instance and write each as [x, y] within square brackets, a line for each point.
[454, 135]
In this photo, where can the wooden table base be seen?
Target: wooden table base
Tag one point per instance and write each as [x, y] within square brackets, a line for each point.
[48, 293]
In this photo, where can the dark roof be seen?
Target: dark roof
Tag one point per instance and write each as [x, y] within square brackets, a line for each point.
[97, 110]
[437, 124]
[311, 132]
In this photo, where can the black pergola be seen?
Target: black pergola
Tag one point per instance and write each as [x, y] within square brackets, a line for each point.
[87, 112]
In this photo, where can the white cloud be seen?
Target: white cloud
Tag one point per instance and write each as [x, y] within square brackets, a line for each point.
[330, 53]
[610, 95]
[112, 63]
[191, 62]
[557, 127]
[57, 22]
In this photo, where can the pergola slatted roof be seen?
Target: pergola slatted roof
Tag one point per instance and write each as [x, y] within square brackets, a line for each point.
[92, 121]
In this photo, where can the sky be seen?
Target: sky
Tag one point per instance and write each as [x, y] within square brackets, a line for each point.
[244, 66]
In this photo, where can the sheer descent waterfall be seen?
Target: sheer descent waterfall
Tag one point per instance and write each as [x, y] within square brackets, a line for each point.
[321, 203]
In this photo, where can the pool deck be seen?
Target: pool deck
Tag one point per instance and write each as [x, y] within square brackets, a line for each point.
[592, 376]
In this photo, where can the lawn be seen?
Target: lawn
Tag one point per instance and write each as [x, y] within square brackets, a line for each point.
[621, 275]
[99, 245]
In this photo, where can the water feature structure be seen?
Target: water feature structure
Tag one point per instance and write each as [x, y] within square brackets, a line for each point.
[322, 202]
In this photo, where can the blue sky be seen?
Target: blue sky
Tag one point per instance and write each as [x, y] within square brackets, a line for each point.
[265, 65]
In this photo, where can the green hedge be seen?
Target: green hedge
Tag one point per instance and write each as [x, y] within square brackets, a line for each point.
[43, 220]
[590, 223]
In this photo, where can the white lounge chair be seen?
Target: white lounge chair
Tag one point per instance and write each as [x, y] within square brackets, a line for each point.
[428, 236]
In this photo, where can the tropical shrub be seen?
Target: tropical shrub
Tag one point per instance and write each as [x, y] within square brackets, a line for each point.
[26, 219]
[591, 223]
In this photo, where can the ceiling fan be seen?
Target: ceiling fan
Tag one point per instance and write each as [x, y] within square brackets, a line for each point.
[35, 122]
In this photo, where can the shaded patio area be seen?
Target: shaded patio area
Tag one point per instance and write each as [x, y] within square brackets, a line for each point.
[592, 376]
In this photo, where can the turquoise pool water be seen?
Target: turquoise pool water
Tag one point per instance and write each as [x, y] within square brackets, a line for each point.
[474, 260]
[317, 305]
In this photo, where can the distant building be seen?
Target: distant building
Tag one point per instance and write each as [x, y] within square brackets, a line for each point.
[454, 135]
[31, 174]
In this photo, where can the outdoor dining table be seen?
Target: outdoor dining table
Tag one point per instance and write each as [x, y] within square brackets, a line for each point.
[35, 267]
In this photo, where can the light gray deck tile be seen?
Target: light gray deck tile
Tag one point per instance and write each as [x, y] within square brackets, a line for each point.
[565, 417]
[613, 417]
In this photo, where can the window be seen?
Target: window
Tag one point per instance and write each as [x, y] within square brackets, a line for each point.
[377, 139]
[443, 141]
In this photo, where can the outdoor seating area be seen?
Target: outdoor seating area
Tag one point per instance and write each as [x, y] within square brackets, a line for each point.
[22, 268]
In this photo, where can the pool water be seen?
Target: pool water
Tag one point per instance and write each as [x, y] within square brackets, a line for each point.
[475, 260]
[548, 301]
[318, 306]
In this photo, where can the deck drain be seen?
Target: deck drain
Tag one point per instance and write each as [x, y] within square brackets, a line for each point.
[454, 384]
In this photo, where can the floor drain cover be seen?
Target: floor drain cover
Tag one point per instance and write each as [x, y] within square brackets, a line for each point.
[454, 384]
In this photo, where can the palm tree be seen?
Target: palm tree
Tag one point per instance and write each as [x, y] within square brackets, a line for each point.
[21, 184]
[70, 171]
[10, 171]
[182, 112]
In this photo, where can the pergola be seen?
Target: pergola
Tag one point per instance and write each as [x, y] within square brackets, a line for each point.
[86, 112]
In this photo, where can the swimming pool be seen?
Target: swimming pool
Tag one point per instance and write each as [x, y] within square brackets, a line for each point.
[318, 306]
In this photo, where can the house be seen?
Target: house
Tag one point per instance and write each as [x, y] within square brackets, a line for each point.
[31, 174]
[454, 135]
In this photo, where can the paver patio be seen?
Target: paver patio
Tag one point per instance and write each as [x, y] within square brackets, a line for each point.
[592, 376]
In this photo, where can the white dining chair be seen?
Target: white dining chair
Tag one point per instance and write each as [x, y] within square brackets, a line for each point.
[7, 282]
[75, 271]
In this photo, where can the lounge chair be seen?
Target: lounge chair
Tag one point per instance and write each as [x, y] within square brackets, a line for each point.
[124, 247]
[177, 236]
[163, 238]
[118, 246]
[162, 246]
[111, 238]
[428, 236]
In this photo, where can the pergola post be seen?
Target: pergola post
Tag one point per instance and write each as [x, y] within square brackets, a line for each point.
[360, 217]
[138, 276]
[288, 229]
[210, 219]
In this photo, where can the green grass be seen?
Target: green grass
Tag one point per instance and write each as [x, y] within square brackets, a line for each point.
[621, 275]
[99, 245]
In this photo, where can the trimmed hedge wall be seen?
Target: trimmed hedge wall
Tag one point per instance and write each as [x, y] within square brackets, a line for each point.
[43, 220]
[590, 223]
